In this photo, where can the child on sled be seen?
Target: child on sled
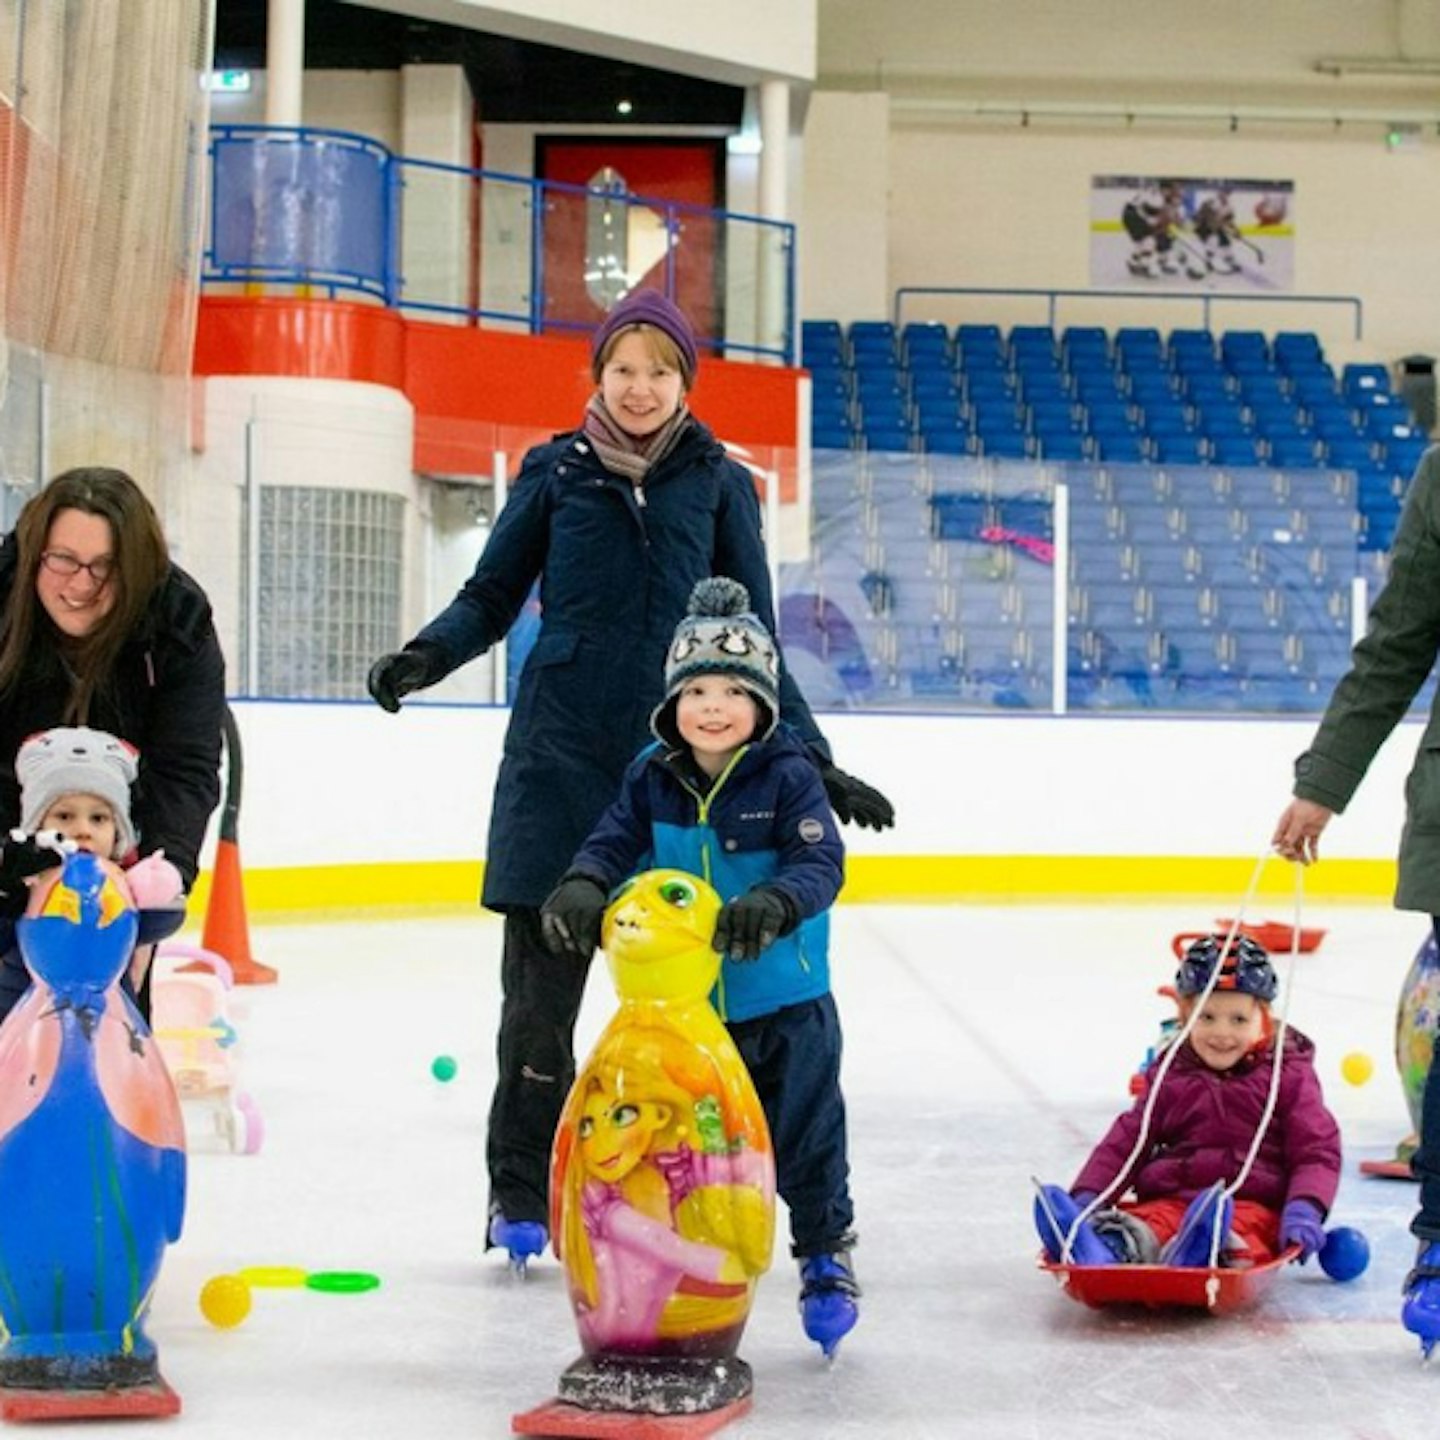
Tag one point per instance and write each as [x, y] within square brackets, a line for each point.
[1169, 1193]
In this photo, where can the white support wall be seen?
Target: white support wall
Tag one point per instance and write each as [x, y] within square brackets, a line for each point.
[335, 784]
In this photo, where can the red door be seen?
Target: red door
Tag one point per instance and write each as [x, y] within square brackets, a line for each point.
[593, 250]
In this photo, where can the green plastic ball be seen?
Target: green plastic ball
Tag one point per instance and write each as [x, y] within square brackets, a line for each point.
[443, 1068]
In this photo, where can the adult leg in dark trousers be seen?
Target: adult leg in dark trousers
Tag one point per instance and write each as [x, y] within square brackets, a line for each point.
[536, 1055]
[794, 1059]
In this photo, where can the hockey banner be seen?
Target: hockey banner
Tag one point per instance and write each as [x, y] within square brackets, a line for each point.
[1170, 233]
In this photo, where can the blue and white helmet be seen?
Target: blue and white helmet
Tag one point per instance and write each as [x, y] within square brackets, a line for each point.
[1244, 967]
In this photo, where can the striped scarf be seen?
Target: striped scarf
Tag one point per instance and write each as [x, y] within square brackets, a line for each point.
[622, 452]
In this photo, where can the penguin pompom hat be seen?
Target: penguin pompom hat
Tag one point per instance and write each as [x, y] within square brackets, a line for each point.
[76, 760]
[721, 635]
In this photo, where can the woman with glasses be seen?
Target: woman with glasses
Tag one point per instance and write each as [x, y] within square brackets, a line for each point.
[99, 628]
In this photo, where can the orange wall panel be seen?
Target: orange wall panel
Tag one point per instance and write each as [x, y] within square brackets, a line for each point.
[462, 379]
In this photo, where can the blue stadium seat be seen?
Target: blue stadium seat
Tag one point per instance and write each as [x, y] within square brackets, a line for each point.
[1033, 340]
[1250, 344]
[1098, 385]
[1055, 417]
[946, 442]
[1058, 445]
[1358, 380]
[1119, 447]
[1004, 444]
[1235, 449]
[979, 340]
[1297, 350]
[1293, 452]
[1085, 343]
[925, 338]
[883, 436]
[1403, 455]
[1179, 449]
[1349, 454]
[1139, 343]
[830, 437]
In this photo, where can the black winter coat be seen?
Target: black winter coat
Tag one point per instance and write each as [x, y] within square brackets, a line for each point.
[616, 568]
[167, 698]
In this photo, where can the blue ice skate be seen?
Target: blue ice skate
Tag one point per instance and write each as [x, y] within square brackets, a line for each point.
[828, 1293]
[1193, 1242]
[524, 1239]
[1421, 1312]
[1055, 1212]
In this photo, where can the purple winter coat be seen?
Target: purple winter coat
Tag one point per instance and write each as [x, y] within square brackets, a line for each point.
[1204, 1124]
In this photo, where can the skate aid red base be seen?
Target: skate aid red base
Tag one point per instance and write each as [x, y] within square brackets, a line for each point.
[559, 1418]
[155, 1399]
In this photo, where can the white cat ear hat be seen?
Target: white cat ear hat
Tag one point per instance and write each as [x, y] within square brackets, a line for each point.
[77, 761]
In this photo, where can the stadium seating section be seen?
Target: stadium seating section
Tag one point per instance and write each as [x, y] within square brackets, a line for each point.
[1224, 491]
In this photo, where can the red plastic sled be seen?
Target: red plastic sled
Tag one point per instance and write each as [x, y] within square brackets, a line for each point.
[1387, 1169]
[1166, 1287]
[1276, 936]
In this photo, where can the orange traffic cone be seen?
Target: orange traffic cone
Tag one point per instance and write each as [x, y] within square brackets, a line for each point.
[227, 931]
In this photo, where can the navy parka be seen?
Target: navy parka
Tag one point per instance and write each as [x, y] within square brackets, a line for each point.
[765, 821]
[616, 565]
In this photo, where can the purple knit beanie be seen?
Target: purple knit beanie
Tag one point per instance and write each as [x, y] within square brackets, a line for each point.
[648, 307]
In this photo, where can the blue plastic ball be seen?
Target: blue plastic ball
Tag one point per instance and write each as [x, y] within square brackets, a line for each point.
[1345, 1253]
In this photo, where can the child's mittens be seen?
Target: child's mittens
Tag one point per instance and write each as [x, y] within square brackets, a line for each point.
[1302, 1223]
[753, 922]
[155, 884]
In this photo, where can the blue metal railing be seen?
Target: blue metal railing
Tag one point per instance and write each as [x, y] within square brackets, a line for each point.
[325, 209]
[1203, 299]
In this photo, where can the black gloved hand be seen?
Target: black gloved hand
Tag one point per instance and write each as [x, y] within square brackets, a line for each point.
[397, 674]
[22, 856]
[854, 800]
[570, 917]
[753, 922]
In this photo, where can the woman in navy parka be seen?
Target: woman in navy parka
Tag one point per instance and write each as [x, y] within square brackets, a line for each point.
[617, 520]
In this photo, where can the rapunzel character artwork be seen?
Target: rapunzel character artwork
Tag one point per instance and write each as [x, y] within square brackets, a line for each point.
[662, 1177]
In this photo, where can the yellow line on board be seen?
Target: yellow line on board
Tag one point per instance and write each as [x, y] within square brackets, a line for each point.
[870, 880]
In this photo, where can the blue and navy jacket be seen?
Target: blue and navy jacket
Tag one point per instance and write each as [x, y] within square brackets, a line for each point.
[764, 821]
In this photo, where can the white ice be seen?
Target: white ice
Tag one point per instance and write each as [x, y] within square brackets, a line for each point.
[984, 1045]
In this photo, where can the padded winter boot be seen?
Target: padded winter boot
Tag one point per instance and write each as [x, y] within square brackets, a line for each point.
[1194, 1240]
[524, 1239]
[828, 1293]
[1055, 1212]
[1421, 1312]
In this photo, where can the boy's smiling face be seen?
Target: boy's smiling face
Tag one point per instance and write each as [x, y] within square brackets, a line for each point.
[715, 715]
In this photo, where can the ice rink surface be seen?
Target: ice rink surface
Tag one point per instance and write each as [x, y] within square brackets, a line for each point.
[984, 1045]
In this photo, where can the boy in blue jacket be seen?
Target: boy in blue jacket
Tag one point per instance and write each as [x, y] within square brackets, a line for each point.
[729, 794]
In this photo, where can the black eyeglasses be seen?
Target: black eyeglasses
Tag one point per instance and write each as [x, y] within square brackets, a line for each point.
[59, 563]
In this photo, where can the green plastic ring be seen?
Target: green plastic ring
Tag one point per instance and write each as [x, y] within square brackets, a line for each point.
[342, 1282]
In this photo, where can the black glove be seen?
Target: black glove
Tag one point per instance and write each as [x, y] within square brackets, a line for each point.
[752, 923]
[570, 917]
[397, 674]
[22, 856]
[853, 799]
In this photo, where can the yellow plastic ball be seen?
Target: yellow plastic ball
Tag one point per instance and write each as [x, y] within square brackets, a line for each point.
[225, 1300]
[1357, 1067]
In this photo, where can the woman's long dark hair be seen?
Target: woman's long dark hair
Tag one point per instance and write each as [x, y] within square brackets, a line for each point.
[141, 560]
